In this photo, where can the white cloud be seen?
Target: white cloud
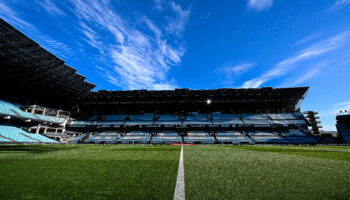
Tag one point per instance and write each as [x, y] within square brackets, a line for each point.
[344, 105]
[139, 59]
[50, 7]
[313, 51]
[308, 75]
[239, 69]
[54, 46]
[305, 75]
[336, 108]
[309, 38]
[177, 24]
[339, 3]
[229, 72]
[12, 17]
[260, 5]
[159, 4]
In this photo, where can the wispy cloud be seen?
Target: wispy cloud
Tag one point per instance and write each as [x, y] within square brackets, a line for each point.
[305, 75]
[13, 18]
[58, 48]
[313, 51]
[178, 22]
[336, 108]
[51, 7]
[239, 69]
[159, 4]
[139, 59]
[339, 3]
[260, 5]
[310, 38]
[343, 106]
[229, 72]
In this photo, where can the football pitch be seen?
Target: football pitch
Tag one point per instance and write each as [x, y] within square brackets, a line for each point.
[151, 172]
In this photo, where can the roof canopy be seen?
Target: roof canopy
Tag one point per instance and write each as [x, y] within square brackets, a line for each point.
[30, 70]
[227, 100]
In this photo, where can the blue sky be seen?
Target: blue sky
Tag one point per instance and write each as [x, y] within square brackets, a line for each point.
[158, 44]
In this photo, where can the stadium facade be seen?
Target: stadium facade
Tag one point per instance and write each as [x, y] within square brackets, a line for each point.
[343, 126]
[43, 100]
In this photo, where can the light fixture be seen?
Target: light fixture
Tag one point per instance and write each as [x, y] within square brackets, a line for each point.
[208, 101]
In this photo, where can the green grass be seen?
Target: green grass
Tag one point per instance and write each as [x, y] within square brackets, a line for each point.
[149, 172]
[267, 172]
[88, 172]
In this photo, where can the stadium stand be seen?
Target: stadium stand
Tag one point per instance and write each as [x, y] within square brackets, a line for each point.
[166, 138]
[343, 126]
[18, 135]
[2, 139]
[198, 137]
[135, 137]
[217, 116]
[10, 109]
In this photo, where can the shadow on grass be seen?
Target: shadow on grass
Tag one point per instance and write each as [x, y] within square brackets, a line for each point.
[33, 148]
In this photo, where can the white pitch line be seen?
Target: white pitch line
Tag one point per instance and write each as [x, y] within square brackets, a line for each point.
[180, 182]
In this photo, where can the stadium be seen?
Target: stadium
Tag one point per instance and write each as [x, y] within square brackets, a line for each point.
[60, 139]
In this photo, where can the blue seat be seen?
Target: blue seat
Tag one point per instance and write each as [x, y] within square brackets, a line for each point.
[7, 108]
[15, 134]
[293, 132]
[302, 140]
[165, 139]
[234, 139]
[203, 139]
[270, 140]
[4, 140]
[39, 137]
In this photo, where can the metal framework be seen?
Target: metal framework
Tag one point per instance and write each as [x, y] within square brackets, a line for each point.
[225, 100]
[32, 71]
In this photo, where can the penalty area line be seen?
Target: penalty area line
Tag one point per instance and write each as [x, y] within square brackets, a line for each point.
[180, 182]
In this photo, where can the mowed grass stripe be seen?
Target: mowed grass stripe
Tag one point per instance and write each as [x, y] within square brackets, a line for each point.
[88, 172]
[217, 172]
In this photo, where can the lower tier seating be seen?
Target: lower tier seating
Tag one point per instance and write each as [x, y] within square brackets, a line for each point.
[293, 132]
[270, 140]
[10, 109]
[78, 138]
[18, 135]
[133, 139]
[302, 140]
[101, 139]
[166, 139]
[234, 140]
[2, 139]
[199, 139]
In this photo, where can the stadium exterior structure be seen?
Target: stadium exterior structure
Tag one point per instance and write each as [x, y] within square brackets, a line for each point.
[70, 112]
[343, 126]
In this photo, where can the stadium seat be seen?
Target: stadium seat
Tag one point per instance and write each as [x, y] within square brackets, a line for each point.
[116, 117]
[19, 135]
[2, 139]
[7, 108]
[228, 133]
[234, 140]
[293, 132]
[302, 140]
[270, 140]
[199, 137]
[78, 138]
[260, 133]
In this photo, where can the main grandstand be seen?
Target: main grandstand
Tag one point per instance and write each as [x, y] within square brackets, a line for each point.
[43, 100]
